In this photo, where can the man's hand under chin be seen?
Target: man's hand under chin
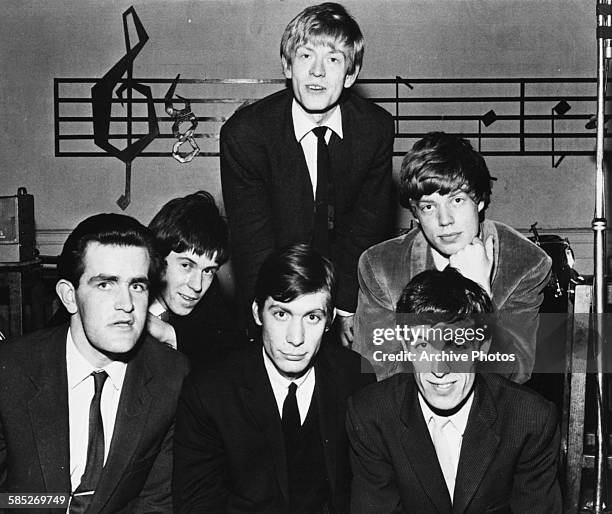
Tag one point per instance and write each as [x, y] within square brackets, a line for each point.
[345, 329]
[475, 262]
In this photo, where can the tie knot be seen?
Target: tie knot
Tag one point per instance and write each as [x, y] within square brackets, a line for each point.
[292, 388]
[99, 379]
[320, 132]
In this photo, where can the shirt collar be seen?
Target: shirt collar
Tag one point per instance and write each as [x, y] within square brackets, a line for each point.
[79, 368]
[302, 124]
[156, 308]
[278, 380]
[459, 419]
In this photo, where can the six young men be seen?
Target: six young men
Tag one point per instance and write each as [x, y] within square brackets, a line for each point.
[88, 408]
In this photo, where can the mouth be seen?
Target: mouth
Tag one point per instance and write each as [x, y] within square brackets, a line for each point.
[446, 386]
[450, 238]
[315, 88]
[123, 324]
[188, 299]
[293, 357]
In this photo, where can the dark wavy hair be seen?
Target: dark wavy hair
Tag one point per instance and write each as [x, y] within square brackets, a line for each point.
[106, 229]
[294, 271]
[444, 297]
[192, 222]
[443, 163]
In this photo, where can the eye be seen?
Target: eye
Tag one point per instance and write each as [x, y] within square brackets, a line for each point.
[140, 287]
[209, 271]
[304, 55]
[185, 265]
[458, 200]
[103, 285]
[280, 315]
[426, 207]
[313, 318]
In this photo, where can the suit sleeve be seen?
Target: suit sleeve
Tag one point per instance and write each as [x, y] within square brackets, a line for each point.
[371, 217]
[374, 488]
[246, 200]
[518, 319]
[375, 313]
[536, 488]
[200, 482]
[3, 456]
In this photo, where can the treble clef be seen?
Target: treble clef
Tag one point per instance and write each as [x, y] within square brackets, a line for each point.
[102, 100]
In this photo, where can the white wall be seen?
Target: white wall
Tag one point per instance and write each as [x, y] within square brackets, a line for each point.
[41, 40]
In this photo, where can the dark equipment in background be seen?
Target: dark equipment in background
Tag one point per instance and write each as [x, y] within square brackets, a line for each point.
[17, 229]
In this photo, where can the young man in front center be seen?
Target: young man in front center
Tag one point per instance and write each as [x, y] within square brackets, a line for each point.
[264, 431]
[311, 163]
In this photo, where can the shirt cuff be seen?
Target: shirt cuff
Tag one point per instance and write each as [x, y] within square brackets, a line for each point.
[345, 314]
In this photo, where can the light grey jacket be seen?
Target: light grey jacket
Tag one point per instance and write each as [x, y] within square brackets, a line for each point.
[521, 270]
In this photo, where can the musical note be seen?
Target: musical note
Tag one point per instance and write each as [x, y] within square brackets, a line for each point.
[181, 116]
[102, 100]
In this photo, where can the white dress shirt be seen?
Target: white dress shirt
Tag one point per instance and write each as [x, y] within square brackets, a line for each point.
[447, 435]
[280, 387]
[303, 125]
[80, 394]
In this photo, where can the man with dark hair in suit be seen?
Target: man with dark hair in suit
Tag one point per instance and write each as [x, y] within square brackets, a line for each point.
[189, 311]
[447, 439]
[312, 163]
[88, 407]
[264, 431]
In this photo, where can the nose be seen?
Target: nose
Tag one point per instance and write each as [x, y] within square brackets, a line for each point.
[445, 216]
[195, 281]
[123, 299]
[317, 68]
[295, 332]
[439, 369]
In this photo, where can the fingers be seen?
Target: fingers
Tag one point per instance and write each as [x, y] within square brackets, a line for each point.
[489, 248]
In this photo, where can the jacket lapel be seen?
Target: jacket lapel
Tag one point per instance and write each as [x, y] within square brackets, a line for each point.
[480, 442]
[131, 421]
[420, 258]
[330, 416]
[48, 409]
[419, 449]
[258, 400]
[487, 230]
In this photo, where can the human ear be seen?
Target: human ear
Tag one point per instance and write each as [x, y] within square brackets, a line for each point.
[349, 80]
[255, 311]
[287, 69]
[67, 294]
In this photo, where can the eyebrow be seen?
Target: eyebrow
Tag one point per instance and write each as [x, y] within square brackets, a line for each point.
[311, 46]
[114, 278]
[275, 305]
[189, 259]
[103, 278]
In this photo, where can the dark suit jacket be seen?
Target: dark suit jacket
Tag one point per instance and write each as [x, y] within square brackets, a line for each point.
[34, 432]
[268, 195]
[508, 460]
[520, 273]
[210, 331]
[229, 453]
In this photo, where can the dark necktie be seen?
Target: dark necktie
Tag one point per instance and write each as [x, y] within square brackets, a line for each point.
[324, 201]
[95, 450]
[291, 414]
